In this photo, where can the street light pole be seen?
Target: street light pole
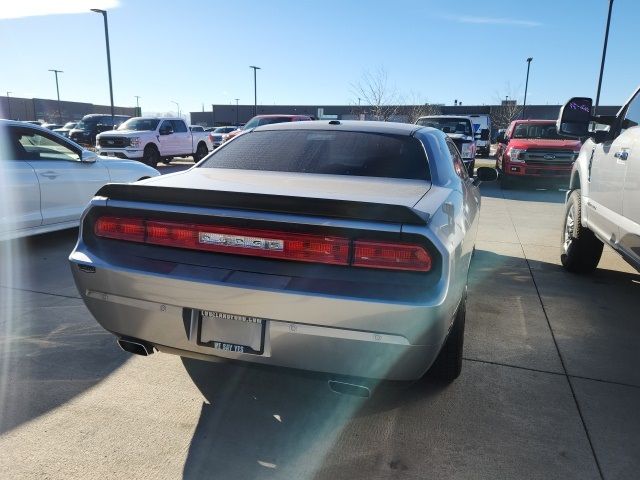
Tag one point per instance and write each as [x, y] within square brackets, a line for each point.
[255, 90]
[526, 85]
[138, 111]
[9, 103]
[237, 99]
[604, 54]
[106, 36]
[177, 105]
[56, 72]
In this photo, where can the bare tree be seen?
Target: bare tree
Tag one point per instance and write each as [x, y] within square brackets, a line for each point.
[507, 109]
[419, 107]
[376, 96]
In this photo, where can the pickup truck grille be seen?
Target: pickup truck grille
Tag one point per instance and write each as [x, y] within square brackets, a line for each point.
[114, 142]
[549, 157]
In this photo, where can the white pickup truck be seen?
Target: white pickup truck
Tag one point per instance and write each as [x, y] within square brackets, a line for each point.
[153, 139]
[603, 201]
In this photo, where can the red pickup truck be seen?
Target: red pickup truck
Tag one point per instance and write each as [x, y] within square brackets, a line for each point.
[533, 148]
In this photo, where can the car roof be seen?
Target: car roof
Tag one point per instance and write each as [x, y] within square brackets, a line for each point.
[281, 115]
[345, 125]
[533, 120]
[445, 116]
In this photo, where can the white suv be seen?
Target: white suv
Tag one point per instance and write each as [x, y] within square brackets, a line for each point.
[603, 202]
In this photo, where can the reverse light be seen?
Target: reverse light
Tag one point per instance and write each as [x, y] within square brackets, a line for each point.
[300, 247]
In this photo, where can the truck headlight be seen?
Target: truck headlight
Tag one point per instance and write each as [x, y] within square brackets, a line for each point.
[134, 142]
[516, 154]
[467, 150]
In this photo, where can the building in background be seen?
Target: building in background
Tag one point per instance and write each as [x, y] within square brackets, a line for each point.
[46, 110]
[221, 115]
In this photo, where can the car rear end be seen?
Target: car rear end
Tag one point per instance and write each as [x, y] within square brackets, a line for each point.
[302, 270]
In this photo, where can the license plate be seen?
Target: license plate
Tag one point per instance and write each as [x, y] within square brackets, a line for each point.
[231, 333]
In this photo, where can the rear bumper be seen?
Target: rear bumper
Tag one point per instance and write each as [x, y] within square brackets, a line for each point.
[340, 335]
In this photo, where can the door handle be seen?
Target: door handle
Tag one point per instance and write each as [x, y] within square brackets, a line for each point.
[622, 154]
[49, 174]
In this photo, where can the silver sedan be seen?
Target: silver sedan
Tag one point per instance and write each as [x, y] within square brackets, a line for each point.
[337, 246]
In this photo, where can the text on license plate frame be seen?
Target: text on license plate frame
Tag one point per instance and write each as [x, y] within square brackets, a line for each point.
[228, 346]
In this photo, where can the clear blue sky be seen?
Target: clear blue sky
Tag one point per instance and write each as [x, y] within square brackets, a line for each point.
[198, 52]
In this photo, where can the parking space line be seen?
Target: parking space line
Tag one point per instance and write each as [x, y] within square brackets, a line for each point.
[555, 342]
[41, 293]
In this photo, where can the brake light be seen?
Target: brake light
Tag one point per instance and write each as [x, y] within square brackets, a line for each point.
[120, 228]
[394, 256]
[266, 243]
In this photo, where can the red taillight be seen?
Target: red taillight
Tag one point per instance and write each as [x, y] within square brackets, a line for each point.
[120, 228]
[394, 256]
[266, 243]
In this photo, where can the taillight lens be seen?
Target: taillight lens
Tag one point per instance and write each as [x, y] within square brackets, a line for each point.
[266, 243]
[120, 228]
[394, 256]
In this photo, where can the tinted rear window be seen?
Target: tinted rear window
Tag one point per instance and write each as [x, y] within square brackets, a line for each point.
[325, 152]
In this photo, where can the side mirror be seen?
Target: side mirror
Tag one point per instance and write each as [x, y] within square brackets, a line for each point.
[485, 174]
[575, 116]
[501, 138]
[87, 156]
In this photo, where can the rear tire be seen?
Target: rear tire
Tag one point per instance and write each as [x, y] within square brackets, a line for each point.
[448, 365]
[151, 156]
[201, 152]
[581, 249]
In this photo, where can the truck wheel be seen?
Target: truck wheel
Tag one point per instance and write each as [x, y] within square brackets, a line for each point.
[151, 155]
[506, 181]
[201, 152]
[448, 365]
[581, 249]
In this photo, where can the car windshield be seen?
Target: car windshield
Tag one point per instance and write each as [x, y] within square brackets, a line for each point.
[259, 121]
[86, 124]
[537, 130]
[448, 125]
[140, 124]
[324, 152]
[223, 130]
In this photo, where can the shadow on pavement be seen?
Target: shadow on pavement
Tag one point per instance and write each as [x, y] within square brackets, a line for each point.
[534, 192]
[263, 422]
[51, 348]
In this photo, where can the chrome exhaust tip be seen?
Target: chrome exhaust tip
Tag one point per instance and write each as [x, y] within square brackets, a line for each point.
[135, 347]
[346, 388]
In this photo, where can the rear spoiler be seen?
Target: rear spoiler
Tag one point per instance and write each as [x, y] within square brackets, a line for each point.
[323, 207]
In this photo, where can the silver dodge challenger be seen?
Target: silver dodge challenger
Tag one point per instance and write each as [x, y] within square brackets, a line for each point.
[332, 246]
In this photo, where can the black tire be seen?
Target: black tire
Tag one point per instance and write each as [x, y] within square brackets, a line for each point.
[580, 248]
[506, 181]
[151, 156]
[201, 152]
[448, 365]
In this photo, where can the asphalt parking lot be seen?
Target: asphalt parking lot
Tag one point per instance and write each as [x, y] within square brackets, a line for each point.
[550, 385]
